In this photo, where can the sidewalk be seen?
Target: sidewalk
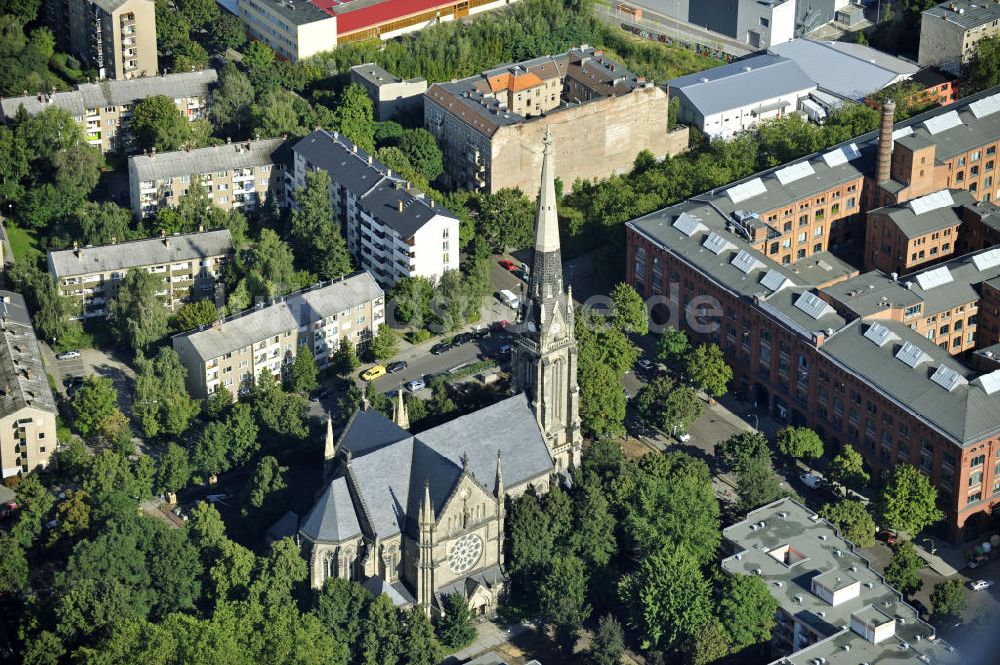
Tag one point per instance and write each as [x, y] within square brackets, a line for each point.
[489, 636]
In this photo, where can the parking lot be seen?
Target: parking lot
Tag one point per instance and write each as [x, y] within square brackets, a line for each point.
[91, 361]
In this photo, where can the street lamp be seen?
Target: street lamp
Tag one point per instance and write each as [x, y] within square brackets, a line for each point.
[756, 421]
[932, 549]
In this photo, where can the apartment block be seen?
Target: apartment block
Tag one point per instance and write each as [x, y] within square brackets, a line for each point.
[298, 29]
[865, 360]
[833, 608]
[104, 109]
[27, 408]
[117, 38]
[393, 229]
[189, 264]
[600, 114]
[391, 95]
[230, 353]
[950, 32]
[236, 176]
[903, 237]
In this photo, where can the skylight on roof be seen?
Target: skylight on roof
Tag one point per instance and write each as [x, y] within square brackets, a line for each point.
[901, 132]
[879, 334]
[716, 243]
[941, 199]
[842, 155]
[774, 280]
[990, 383]
[942, 122]
[932, 278]
[985, 106]
[988, 259]
[813, 305]
[745, 262]
[947, 378]
[794, 172]
[911, 354]
[688, 224]
[746, 190]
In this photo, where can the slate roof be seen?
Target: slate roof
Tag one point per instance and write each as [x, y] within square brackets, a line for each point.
[34, 104]
[973, 13]
[332, 517]
[390, 477]
[22, 375]
[377, 190]
[743, 83]
[166, 165]
[397, 591]
[286, 527]
[136, 253]
[851, 71]
[291, 312]
[913, 225]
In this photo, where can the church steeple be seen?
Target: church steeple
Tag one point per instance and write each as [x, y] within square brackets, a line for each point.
[545, 353]
[400, 416]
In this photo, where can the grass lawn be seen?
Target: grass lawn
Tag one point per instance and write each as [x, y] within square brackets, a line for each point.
[21, 242]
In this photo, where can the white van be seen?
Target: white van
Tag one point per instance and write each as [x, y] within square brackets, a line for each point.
[508, 298]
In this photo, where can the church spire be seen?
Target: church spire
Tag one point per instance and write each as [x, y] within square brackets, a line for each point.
[400, 416]
[499, 478]
[547, 219]
[330, 449]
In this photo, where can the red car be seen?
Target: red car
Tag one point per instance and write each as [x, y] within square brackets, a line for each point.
[8, 509]
[887, 537]
[508, 265]
[499, 325]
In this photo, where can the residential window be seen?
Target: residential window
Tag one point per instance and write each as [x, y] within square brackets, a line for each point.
[975, 498]
[803, 220]
[977, 461]
[975, 479]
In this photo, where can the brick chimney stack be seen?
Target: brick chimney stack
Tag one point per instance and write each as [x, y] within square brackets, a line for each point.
[884, 163]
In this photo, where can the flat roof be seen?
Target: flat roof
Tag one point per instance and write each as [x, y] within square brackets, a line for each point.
[379, 76]
[137, 253]
[965, 14]
[828, 556]
[244, 154]
[742, 83]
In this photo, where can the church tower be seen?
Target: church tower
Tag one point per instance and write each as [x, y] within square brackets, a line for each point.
[545, 354]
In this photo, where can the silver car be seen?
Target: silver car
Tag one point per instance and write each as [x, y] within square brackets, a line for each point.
[415, 385]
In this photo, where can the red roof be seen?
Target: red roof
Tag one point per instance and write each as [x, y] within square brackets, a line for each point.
[382, 12]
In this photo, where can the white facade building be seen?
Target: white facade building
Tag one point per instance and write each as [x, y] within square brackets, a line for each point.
[393, 229]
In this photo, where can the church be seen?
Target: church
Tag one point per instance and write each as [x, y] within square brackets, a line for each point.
[421, 516]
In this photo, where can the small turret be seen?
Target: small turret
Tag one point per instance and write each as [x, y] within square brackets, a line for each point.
[400, 416]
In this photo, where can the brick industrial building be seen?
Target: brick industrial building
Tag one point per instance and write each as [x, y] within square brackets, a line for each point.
[601, 115]
[866, 360]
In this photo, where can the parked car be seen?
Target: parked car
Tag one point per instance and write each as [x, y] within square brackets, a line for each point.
[480, 331]
[73, 384]
[811, 481]
[499, 325]
[645, 364]
[981, 585]
[442, 347]
[68, 355]
[373, 373]
[508, 265]
[320, 394]
[506, 347]
[415, 385]
[521, 274]
[886, 536]
[978, 561]
[682, 437]
[8, 509]
[397, 366]
[461, 338]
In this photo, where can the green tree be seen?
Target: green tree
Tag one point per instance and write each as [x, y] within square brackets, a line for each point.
[268, 478]
[848, 469]
[227, 33]
[602, 402]
[243, 434]
[94, 403]
[563, 596]
[593, 534]
[269, 266]
[983, 71]
[531, 549]
[740, 450]
[304, 374]
[608, 645]
[747, 610]
[380, 633]
[138, 317]
[156, 123]
[758, 484]
[670, 407]
[232, 102]
[340, 606]
[800, 442]
[672, 346]
[668, 598]
[455, 627]
[161, 401]
[199, 13]
[852, 520]
[422, 646]
[422, 152]
[384, 343]
[709, 644]
[506, 219]
[102, 223]
[77, 168]
[196, 314]
[948, 601]
[173, 471]
[354, 117]
[707, 369]
[903, 571]
[345, 360]
[210, 450]
[628, 311]
[908, 501]
[315, 235]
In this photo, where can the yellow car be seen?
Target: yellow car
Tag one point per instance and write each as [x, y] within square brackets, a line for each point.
[373, 373]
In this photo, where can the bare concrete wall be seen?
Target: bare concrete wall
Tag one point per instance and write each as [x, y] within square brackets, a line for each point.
[592, 141]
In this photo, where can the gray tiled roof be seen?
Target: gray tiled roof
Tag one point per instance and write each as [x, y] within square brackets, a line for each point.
[332, 517]
[742, 83]
[22, 375]
[851, 71]
[378, 192]
[115, 93]
[973, 13]
[391, 478]
[227, 157]
[397, 591]
[913, 225]
[137, 253]
[289, 313]
[825, 553]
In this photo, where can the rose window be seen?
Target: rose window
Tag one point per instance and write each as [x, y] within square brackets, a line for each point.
[465, 553]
